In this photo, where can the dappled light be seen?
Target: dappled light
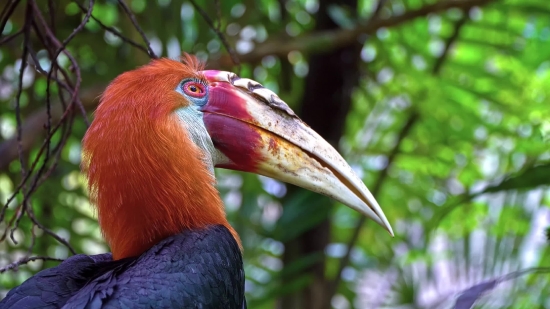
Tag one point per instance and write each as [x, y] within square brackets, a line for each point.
[441, 107]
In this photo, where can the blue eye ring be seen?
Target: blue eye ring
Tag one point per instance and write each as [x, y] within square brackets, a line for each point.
[194, 88]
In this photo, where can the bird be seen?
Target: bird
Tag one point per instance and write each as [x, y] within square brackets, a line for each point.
[149, 157]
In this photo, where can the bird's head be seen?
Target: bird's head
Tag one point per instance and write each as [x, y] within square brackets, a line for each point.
[160, 130]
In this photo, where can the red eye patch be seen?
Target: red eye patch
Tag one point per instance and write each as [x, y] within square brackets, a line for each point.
[194, 89]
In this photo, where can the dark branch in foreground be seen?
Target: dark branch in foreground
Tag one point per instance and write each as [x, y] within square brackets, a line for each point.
[60, 116]
[38, 33]
[219, 33]
[138, 28]
[15, 265]
[115, 32]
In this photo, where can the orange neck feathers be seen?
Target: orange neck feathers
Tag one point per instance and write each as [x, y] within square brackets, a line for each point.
[146, 177]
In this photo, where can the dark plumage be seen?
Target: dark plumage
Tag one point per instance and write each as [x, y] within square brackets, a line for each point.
[149, 157]
[194, 269]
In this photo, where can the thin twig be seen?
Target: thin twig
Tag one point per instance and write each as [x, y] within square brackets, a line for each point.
[46, 230]
[305, 43]
[51, 10]
[60, 47]
[41, 150]
[15, 265]
[138, 28]
[73, 98]
[10, 37]
[48, 155]
[74, 63]
[12, 219]
[6, 13]
[54, 48]
[41, 70]
[220, 35]
[114, 31]
[27, 27]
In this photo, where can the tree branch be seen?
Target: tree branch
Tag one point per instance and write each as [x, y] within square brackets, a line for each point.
[114, 31]
[34, 125]
[138, 28]
[15, 265]
[325, 41]
[219, 33]
[317, 42]
[6, 13]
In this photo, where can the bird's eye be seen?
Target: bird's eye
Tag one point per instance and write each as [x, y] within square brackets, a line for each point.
[194, 89]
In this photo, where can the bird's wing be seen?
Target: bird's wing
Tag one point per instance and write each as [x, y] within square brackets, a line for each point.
[195, 269]
[52, 287]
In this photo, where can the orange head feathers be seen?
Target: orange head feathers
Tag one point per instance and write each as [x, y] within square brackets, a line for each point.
[146, 177]
[158, 133]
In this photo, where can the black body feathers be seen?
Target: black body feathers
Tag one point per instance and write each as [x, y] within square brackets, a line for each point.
[194, 269]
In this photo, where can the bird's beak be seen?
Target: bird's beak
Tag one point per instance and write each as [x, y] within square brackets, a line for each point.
[257, 132]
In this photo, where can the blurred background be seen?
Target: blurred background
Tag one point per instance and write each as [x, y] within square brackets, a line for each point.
[442, 107]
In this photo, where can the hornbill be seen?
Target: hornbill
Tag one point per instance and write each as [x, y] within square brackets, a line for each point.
[149, 157]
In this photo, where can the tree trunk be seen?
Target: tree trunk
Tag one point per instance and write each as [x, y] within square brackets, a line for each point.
[325, 105]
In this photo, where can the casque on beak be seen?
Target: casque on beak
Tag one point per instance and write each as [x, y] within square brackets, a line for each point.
[257, 132]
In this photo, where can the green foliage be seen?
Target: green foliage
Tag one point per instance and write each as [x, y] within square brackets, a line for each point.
[467, 191]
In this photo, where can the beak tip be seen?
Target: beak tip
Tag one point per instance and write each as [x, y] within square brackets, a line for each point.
[375, 211]
[389, 229]
[386, 224]
[383, 222]
[310, 155]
